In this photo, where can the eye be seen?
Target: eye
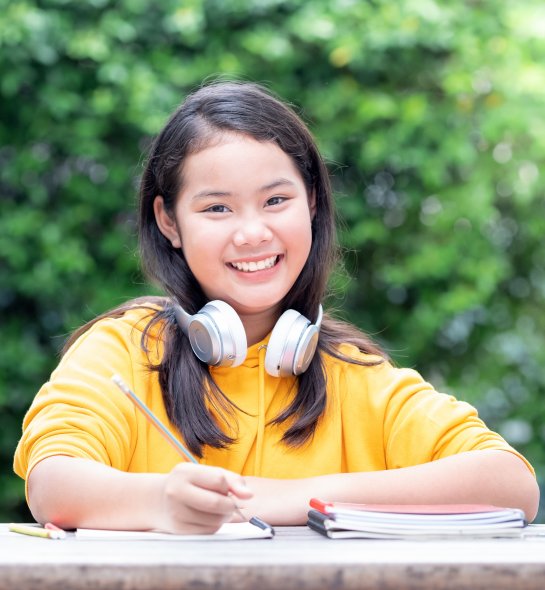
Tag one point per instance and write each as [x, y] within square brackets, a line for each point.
[276, 200]
[217, 209]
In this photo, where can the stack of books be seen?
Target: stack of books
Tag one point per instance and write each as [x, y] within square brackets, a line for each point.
[409, 521]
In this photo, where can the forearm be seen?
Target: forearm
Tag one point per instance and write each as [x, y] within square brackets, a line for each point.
[490, 477]
[74, 492]
[79, 493]
[486, 477]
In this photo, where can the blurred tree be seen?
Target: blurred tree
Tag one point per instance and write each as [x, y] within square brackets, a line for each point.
[429, 113]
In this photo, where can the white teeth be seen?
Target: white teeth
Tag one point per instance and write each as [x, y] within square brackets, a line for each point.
[253, 266]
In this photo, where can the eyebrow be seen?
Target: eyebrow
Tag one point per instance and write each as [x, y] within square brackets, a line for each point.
[276, 183]
[267, 187]
[206, 193]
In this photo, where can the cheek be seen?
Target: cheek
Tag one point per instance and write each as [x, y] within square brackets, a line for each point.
[200, 246]
[302, 236]
[308, 246]
[298, 241]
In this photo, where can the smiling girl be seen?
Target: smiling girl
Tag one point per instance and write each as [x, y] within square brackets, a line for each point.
[278, 403]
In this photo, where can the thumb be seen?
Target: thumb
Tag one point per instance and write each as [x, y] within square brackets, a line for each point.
[238, 487]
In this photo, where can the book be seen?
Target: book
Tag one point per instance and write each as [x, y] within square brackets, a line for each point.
[231, 531]
[414, 521]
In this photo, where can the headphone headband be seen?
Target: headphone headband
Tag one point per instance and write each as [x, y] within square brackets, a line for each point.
[218, 338]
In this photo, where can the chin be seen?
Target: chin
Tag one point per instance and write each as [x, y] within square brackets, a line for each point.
[253, 307]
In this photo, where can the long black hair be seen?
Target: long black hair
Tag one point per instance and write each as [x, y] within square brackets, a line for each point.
[188, 389]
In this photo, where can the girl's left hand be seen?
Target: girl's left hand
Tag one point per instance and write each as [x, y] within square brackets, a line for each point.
[279, 501]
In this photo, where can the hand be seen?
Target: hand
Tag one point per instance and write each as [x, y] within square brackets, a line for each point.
[199, 498]
[280, 501]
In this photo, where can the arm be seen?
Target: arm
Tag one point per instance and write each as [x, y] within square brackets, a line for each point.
[475, 477]
[73, 492]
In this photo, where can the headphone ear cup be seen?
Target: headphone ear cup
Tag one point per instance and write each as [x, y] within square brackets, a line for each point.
[306, 349]
[217, 335]
[285, 346]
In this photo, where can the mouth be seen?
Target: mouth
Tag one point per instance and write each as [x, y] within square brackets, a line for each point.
[255, 266]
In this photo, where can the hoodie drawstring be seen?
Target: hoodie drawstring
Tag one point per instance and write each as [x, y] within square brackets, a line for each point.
[260, 411]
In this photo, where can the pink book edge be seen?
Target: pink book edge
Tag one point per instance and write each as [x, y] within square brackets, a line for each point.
[327, 507]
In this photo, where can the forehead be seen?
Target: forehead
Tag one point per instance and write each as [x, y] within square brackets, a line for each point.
[235, 157]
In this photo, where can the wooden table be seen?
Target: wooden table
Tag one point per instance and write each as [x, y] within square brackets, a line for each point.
[296, 558]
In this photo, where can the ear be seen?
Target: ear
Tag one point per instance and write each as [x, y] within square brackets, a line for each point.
[166, 223]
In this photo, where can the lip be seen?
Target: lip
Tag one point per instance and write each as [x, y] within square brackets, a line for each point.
[257, 258]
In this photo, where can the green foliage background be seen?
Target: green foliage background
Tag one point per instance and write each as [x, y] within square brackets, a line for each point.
[430, 114]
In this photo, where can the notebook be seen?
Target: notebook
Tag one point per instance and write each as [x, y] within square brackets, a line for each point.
[413, 521]
[231, 531]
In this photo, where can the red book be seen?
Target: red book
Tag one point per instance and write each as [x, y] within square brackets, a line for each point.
[420, 509]
[389, 521]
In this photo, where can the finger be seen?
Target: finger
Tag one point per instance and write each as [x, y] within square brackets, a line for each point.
[194, 480]
[185, 515]
[238, 488]
[209, 501]
[204, 476]
[238, 515]
[195, 520]
[221, 481]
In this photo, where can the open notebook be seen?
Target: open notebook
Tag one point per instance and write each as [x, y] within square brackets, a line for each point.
[338, 520]
[227, 532]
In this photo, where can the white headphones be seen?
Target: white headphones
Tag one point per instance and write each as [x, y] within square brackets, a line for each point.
[218, 338]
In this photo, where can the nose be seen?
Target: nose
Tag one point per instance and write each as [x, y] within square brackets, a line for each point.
[252, 231]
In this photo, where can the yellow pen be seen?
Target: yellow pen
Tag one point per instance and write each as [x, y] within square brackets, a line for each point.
[36, 531]
[162, 429]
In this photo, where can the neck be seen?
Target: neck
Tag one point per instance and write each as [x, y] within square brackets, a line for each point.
[258, 325]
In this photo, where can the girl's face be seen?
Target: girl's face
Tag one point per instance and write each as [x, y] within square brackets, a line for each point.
[243, 221]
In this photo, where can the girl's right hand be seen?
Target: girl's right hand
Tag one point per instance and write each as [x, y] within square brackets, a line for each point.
[199, 498]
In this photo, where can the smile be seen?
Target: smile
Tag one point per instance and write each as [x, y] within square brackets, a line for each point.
[255, 266]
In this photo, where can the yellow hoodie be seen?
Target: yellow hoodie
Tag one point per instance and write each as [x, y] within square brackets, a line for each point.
[377, 417]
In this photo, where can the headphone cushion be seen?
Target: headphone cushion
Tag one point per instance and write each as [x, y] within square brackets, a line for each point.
[283, 343]
[229, 332]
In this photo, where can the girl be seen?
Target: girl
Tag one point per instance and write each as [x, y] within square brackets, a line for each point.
[236, 225]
